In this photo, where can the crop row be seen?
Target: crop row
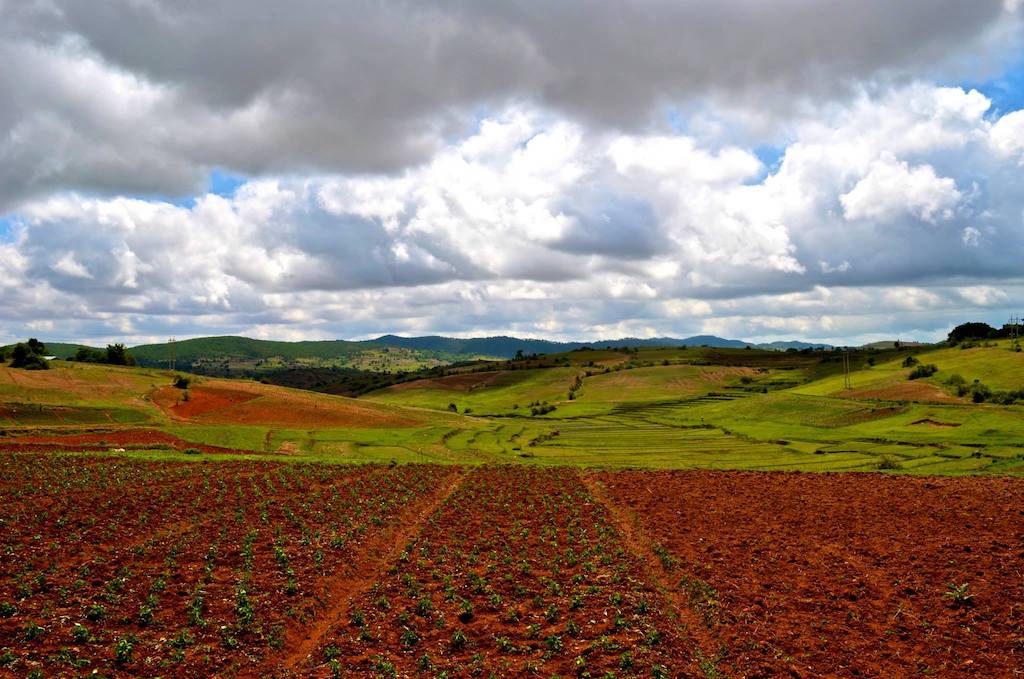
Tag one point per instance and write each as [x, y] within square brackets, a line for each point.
[243, 564]
[520, 571]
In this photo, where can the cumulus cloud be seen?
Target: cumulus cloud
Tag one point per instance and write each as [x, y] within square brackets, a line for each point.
[538, 225]
[146, 97]
[1007, 136]
[891, 189]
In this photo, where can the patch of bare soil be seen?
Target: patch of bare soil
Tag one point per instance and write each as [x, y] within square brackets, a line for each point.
[844, 574]
[911, 390]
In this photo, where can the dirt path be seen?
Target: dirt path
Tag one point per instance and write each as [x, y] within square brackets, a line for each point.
[358, 576]
[668, 581]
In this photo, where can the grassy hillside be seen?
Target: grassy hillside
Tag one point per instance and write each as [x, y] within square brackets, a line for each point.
[658, 407]
[995, 365]
[188, 351]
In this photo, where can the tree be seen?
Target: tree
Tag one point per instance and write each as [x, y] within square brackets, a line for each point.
[29, 355]
[973, 330]
[89, 355]
[118, 355]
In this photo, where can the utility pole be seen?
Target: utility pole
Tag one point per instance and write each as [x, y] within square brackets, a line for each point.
[846, 369]
[172, 361]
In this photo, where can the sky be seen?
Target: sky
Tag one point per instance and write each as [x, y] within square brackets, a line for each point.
[836, 172]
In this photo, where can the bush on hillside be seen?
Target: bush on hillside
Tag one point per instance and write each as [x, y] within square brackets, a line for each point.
[910, 362]
[979, 392]
[925, 370]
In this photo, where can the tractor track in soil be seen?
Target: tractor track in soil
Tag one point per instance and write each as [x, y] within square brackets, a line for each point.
[640, 544]
[363, 570]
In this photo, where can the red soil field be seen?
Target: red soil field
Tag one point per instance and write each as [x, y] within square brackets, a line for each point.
[519, 573]
[842, 575]
[210, 573]
[911, 390]
[201, 400]
[250, 569]
[258, 404]
[312, 413]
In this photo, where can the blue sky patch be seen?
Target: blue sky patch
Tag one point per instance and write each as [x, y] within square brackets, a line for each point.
[7, 224]
[1006, 91]
[224, 183]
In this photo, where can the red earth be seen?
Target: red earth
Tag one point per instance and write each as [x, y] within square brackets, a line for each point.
[911, 390]
[258, 404]
[201, 400]
[241, 568]
[843, 574]
[217, 572]
[519, 573]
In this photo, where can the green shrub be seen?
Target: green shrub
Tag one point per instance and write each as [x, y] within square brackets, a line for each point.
[924, 370]
[889, 462]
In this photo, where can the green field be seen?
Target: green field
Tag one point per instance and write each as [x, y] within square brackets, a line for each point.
[657, 408]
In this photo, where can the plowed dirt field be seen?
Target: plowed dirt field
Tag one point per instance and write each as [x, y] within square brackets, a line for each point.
[140, 568]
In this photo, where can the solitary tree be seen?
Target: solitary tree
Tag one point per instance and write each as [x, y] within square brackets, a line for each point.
[29, 355]
[971, 331]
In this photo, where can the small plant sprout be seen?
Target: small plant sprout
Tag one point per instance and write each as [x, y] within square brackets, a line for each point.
[959, 595]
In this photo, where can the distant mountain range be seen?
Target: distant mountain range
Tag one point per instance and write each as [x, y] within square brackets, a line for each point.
[506, 347]
[190, 351]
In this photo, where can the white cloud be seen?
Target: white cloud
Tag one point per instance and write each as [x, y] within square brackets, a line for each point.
[1007, 136]
[984, 295]
[535, 224]
[70, 266]
[892, 188]
[841, 267]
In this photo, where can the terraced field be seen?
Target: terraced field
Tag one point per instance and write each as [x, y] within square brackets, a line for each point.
[657, 408]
